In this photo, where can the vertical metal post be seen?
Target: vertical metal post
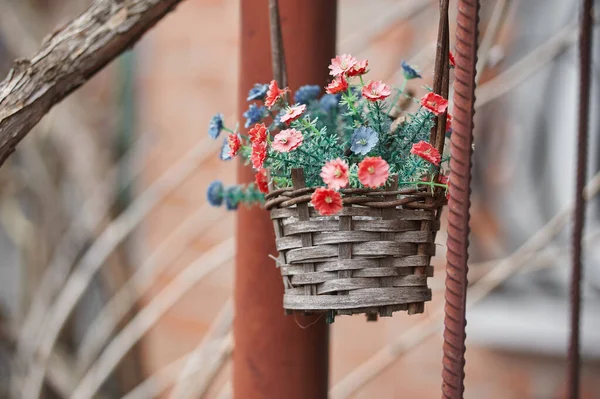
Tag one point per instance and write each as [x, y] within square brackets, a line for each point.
[585, 67]
[274, 357]
[459, 203]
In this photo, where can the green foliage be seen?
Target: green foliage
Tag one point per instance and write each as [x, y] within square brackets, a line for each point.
[327, 131]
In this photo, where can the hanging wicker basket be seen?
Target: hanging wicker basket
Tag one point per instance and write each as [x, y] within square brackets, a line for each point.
[372, 257]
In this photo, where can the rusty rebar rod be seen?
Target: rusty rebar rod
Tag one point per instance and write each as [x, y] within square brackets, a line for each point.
[585, 66]
[458, 207]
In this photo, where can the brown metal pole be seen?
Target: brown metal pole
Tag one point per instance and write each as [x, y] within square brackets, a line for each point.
[585, 70]
[274, 357]
[458, 206]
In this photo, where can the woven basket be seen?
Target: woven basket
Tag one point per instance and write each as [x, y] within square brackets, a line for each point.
[372, 257]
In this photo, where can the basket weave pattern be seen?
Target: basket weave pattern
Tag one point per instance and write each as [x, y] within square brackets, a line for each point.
[372, 257]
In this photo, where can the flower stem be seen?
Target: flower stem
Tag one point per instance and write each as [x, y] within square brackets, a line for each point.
[308, 154]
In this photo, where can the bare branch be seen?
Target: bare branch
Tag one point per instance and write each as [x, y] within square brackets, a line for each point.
[193, 381]
[106, 322]
[87, 220]
[218, 255]
[68, 58]
[94, 258]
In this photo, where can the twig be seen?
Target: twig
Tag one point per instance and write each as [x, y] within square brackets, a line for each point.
[201, 384]
[226, 392]
[218, 328]
[68, 58]
[491, 33]
[155, 385]
[145, 319]
[100, 329]
[95, 256]
[402, 10]
[93, 211]
[426, 328]
[525, 67]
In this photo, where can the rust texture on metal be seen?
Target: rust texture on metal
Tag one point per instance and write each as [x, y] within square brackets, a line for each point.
[585, 67]
[274, 357]
[458, 206]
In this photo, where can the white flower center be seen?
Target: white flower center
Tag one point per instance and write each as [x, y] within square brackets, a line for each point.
[371, 169]
[328, 199]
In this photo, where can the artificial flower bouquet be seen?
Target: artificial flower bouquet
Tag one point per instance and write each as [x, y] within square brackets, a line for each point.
[356, 226]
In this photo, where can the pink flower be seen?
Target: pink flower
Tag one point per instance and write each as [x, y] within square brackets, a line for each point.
[341, 64]
[292, 113]
[259, 154]
[337, 85]
[376, 90]
[359, 69]
[451, 59]
[434, 103]
[258, 134]
[373, 172]
[327, 201]
[335, 174]
[287, 140]
[426, 151]
[234, 144]
[261, 181]
[274, 93]
[448, 122]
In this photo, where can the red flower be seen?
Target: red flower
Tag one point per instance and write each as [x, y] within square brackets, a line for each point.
[337, 85]
[234, 144]
[326, 201]
[448, 122]
[287, 140]
[341, 64]
[258, 134]
[261, 181]
[434, 103]
[452, 60]
[376, 90]
[292, 113]
[426, 151]
[335, 174]
[373, 172]
[259, 154]
[359, 69]
[274, 93]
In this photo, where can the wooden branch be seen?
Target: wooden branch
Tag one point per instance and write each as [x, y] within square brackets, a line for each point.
[68, 58]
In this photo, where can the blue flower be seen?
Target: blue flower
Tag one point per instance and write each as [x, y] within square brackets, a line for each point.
[253, 115]
[233, 196]
[258, 92]
[225, 151]
[215, 126]
[409, 72]
[277, 120]
[328, 102]
[306, 93]
[363, 140]
[214, 193]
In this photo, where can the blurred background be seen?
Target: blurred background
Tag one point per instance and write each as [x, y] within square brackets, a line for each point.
[107, 197]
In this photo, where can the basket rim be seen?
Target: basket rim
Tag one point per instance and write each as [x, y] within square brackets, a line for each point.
[413, 198]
